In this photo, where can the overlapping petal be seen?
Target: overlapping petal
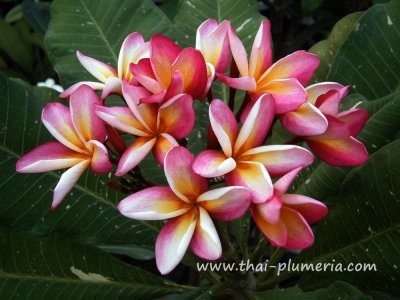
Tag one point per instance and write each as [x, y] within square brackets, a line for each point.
[318, 89]
[354, 118]
[185, 183]
[227, 203]
[205, 242]
[311, 209]
[86, 123]
[299, 233]
[261, 52]
[253, 176]
[100, 161]
[165, 142]
[97, 68]
[213, 163]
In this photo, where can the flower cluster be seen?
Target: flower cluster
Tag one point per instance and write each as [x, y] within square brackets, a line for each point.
[159, 82]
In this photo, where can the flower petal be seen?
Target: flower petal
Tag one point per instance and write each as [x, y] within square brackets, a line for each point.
[311, 209]
[185, 183]
[341, 152]
[56, 117]
[328, 103]
[299, 233]
[177, 116]
[49, 157]
[212, 40]
[305, 121]
[213, 163]
[122, 119]
[270, 210]
[144, 74]
[132, 50]
[67, 181]
[355, 119]
[191, 65]
[238, 53]
[255, 177]
[173, 241]
[82, 106]
[243, 83]
[176, 86]
[94, 85]
[318, 89]
[299, 65]
[100, 161]
[283, 184]
[288, 94]
[256, 125]
[163, 53]
[154, 203]
[227, 203]
[279, 159]
[275, 233]
[112, 86]
[165, 142]
[95, 67]
[145, 113]
[224, 125]
[261, 53]
[134, 154]
[205, 242]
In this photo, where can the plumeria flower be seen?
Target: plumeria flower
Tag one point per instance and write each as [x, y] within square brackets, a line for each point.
[212, 40]
[284, 80]
[337, 146]
[243, 160]
[79, 134]
[189, 206]
[170, 71]
[133, 49]
[157, 127]
[284, 218]
[308, 119]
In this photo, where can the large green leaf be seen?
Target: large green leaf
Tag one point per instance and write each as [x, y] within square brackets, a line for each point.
[369, 59]
[243, 15]
[97, 28]
[363, 226]
[88, 213]
[56, 268]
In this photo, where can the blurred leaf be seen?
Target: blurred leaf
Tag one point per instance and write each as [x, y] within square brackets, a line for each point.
[37, 14]
[13, 47]
[97, 28]
[169, 8]
[14, 14]
[337, 290]
[88, 213]
[327, 49]
[33, 268]
[129, 250]
[310, 5]
[363, 226]
[369, 58]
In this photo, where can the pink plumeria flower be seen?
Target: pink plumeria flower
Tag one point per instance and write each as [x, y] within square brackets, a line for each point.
[133, 49]
[79, 134]
[284, 218]
[212, 40]
[243, 160]
[170, 71]
[337, 146]
[308, 119]
[284, 80]
[157, 127]
[189, 206]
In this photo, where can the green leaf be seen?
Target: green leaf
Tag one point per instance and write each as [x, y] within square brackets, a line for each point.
[14, 14]
[369, 59]
[363, 226]
[97, 28]
[243, 15]
[56, 268]
[88, 213]
[310, 5]
[337, 290]
[37, 14]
